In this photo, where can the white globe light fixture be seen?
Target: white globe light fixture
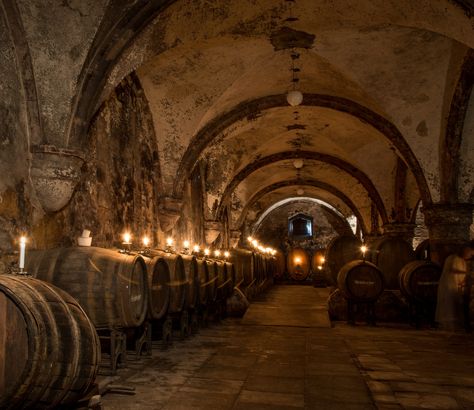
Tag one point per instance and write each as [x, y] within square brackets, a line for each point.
[294, 97]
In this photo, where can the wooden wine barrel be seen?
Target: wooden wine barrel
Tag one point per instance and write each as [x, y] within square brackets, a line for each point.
[419, 281]
[360, 281]
[298, 264]
[232, 276]
[340, 251]
[203, 270]
[192, 278]
[318, 259]
[222, 280]
[49, 349]
[158, 287]
[177, 283]
[110, 286]
[213, 276]
[244, 262]
[391, 255]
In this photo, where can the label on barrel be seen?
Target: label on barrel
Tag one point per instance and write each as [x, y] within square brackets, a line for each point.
[427, 283]
[364, 282]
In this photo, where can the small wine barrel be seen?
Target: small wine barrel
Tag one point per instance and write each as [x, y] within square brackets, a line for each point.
[49, 349]
[177, 283]
[360, 281]
[203, 270]
[340, 251]
[419, 281]
[110, 286]
[318, 259]
[192, 278]
[158, 287]
[298, 264]
[391, 255]
[213, 276]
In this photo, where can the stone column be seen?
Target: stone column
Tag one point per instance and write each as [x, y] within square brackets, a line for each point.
[448, 227]
[405, 231]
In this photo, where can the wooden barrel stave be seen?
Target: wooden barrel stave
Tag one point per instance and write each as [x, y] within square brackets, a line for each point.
[158, 287]
[203, 282]
[177, 283]
[192, 278]
[55, 352]
[360, 281]
[213, 280]
[110, 286]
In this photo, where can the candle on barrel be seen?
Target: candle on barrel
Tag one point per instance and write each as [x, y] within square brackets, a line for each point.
[363, 248]
[21, 263]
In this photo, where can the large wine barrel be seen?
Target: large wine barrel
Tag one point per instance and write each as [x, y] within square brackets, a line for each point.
[222, 280]
[158, 287]
[360, 281]
[340, 251]
[298, 264]
[110, 286]
[391, 255]
[244, 262]
[232, 276]
[203, 270]
[178, 282]
[192, 278]
[318, 259]
[49, 349]
[419, 281]
[213, 277]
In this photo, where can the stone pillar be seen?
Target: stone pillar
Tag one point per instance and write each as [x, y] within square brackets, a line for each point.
[405, 231]
[448, 227]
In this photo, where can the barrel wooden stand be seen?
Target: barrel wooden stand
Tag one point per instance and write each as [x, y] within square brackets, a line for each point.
[162, 332]
[139, 341]
[180, 325]
[354, 306]
[113, 343]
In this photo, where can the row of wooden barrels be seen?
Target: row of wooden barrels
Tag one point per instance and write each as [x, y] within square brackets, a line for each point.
[49, 348]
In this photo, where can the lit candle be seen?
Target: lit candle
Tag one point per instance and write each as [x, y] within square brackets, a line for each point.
[217, 253]
[186, 244]
[22, 252]
[206, 252]
[297, 260]
[169, 241]
[226, 254]
[320, 267]
[254, 243]
[146, 241]
[249, 238]
[196, 248]
[127, 238]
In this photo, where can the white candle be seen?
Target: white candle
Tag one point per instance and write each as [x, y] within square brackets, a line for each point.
[22, 252]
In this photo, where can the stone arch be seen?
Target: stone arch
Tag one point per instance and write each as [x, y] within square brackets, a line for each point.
[305, 182]
[337, 162]
[250, 109]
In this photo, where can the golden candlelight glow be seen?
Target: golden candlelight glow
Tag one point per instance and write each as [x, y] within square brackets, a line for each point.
[169, 241]
[297, 260]
[186, 244]
[207, 252]
[146, 241]
[364, 249]
[127, 238]
[249, 238]
[22, 240]
[217, 253]
[226, 254]
[196, 248]
[255, 243]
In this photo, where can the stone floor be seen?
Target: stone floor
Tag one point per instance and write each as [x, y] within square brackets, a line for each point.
[285, 355]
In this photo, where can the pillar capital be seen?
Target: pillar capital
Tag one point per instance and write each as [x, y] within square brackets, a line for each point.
[403, 230]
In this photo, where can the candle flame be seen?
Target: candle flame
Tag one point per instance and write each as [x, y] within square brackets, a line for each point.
[206, 252]
[127, 237]
[146, 241]
[249, 238]
[169, 241]
[217, 253]
[226, 254]
[196, 248]
[186, 244]
[363, 248]
[297, 260]
[23, 240]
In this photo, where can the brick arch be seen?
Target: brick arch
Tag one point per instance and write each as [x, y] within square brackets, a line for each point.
[309, 155]
[303, 182]
[250, 109]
